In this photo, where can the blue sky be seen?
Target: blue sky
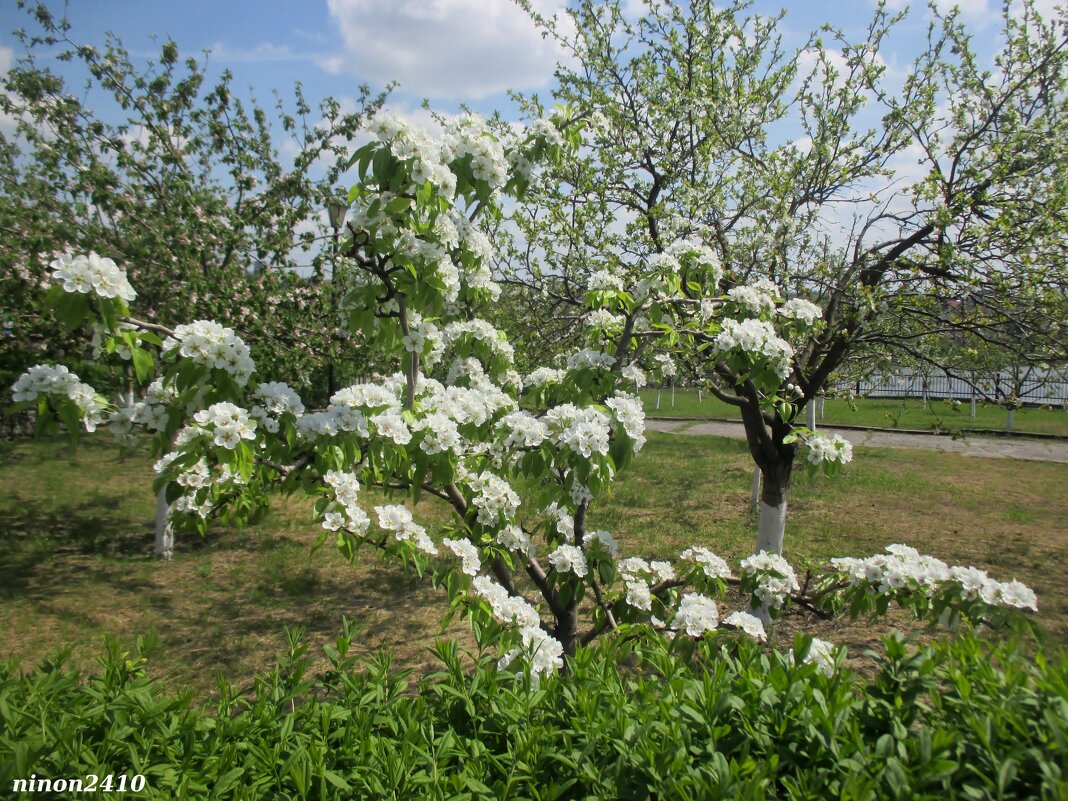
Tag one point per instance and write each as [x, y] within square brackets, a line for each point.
[448, 51]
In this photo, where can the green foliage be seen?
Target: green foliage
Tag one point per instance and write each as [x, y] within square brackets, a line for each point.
[186, 188]
[963, 719]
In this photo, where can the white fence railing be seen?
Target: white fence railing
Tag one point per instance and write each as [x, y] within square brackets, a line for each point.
[1028, 388]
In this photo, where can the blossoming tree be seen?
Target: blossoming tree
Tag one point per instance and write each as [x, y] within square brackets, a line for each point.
[847, 207]
[520, 460]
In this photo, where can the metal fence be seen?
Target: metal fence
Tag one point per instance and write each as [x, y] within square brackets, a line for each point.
[1027, 388]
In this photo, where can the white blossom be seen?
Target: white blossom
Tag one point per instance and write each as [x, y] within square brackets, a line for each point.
[210, 344]
[823, 449]
[467, 553]
[569, 559]
[750, 624]
[92, 274]
[711, 565]
[696, 614]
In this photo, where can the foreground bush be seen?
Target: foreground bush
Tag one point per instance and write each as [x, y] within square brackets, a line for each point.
[964, 719]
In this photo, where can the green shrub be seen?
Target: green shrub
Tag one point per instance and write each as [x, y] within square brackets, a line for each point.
[963, 719]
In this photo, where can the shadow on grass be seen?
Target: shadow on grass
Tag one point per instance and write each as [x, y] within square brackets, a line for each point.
[44, 547]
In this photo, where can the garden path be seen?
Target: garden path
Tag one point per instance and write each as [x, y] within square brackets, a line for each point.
[1040, 450]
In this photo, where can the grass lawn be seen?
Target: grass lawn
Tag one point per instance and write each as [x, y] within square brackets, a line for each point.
[876, 412]
[76, 550]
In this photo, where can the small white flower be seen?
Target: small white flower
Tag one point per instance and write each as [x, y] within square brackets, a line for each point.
[750, 624]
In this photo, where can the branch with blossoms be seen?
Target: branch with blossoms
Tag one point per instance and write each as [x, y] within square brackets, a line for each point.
[522, 461]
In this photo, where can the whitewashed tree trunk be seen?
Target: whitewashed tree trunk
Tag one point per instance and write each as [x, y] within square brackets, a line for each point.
[770, 532]
[164, 531]
[772, 527]
[810, 415]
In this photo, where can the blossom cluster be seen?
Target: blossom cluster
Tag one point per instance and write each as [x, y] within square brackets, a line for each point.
[466, 136]
[227, 423]
[710, 564]
[692, 251]
[522, 430]
[92, 274]
[753, 299]
[481, 331]
[544, 651]
[197, 480]
[543, 376]
[821, 654]
[903, 567]
[210, 344]
[630, 414]
[774, 578]
[605, 281]
[800, 309]
[633, 372]
[152, 412]
[696, 614]
[666, 365]
[466, 552]
[756, 337]
[584, 431]
[590, 359]
[273, 400]
[414, 146]
[398, 519]
[494, 498]
[745, 622]
[569, 559]
[824, 450]
[46, 380]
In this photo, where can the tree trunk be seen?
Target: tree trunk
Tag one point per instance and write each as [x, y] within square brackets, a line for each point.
[772, 525]
[164, 531]
[567, 629]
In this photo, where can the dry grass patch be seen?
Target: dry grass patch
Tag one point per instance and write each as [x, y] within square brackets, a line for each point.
[76, 551]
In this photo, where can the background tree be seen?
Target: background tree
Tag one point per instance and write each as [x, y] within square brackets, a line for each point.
[791, 167]
[187, 187]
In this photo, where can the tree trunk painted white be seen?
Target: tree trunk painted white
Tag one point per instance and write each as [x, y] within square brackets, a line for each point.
[772, 528]
[658, 399]
[699, 396]
[164, 531]
[672, 394]
[810, 416]
[819, 406]
[770, 533]
[1010, 419]
[755, 499]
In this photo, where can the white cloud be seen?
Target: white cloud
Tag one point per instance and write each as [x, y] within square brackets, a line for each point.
[968, 8]
[265, 51]
[1049, 10]
[457, 49]
[8, 123]
[809, 63]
